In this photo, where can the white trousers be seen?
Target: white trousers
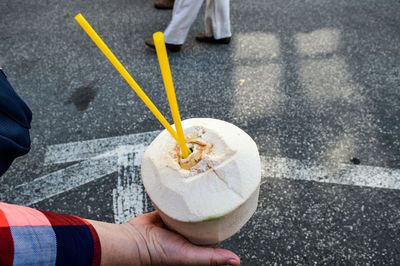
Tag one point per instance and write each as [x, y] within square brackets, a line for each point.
[217, 20]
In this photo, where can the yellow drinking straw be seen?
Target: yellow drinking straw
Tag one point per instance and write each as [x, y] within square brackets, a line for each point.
[121, 69]
[158, 38]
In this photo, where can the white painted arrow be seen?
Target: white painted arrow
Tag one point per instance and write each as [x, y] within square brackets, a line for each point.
[62, 180]
[85, 150]
[345, 174]
[97, 158]
[94, 160]
[129, 198]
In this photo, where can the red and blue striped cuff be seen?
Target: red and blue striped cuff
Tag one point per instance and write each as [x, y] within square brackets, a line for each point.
[32, 237]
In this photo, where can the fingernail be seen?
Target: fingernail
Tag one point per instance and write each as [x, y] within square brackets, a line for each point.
[232, 262]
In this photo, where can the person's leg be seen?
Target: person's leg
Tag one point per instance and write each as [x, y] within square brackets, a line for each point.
[217, 19]
[217, 22]
[183, 16]
[208, 19]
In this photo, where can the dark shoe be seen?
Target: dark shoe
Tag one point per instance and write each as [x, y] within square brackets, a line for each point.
[210, 39]
[170, 47]
[164, 4]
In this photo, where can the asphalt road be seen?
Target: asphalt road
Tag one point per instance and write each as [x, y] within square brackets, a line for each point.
[313, 82]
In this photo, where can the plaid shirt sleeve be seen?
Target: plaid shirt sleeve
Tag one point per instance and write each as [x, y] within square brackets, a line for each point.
[33, 237]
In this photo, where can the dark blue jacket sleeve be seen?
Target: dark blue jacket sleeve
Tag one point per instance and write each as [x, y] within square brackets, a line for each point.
[15, 119]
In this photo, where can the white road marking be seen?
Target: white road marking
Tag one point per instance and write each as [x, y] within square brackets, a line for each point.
[62, 180]
[84, 150]
[94, 160]
[345, 174]
[129, 198]
[101, 157]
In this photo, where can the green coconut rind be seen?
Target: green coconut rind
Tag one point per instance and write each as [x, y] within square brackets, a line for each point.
[212, 218]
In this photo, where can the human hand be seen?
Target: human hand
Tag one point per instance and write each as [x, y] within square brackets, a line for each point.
[159, 246]
[144, 240]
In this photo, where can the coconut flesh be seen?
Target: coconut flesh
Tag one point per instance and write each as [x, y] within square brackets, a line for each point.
[210, 195]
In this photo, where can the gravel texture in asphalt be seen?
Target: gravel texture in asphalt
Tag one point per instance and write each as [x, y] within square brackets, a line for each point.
[315, 81]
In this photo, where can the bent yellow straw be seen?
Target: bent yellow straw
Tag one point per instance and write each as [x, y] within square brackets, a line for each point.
[124, 73]
[169, 87]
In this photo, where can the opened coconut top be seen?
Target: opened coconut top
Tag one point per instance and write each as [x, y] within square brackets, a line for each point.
[199, 150]
[221, 173]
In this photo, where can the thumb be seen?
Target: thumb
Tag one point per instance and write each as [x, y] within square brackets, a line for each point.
[209, 256]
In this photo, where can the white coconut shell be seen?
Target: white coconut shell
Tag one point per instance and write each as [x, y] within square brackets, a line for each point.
[214, 198]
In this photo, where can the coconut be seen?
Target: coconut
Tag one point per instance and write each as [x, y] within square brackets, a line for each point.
[208, 196]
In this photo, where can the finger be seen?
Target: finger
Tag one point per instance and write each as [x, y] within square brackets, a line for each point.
[195, 255]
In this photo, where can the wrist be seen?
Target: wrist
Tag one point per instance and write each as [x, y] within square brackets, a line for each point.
[119, 244]
[138, 235]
